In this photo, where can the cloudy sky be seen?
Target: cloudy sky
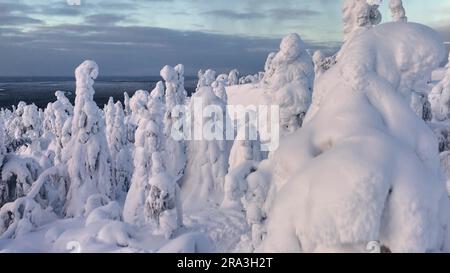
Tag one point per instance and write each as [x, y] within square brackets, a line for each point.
[138, 37]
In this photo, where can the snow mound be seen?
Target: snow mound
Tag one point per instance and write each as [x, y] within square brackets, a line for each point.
[188, 243]
[112, 211]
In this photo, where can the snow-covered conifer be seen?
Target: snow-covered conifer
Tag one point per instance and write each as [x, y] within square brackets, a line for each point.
[290, 78]
[397, 11]
[149, 139]
[175, 95]
[439, 98]
[359, 15]
[89, 162]
[163, 205]
[122, 163]
[233, 77]
[207, 161]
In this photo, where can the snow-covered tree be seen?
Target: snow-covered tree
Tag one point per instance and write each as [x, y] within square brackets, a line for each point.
[163, 205]
[56, 115]
[109, 115]
[207, 162]
[439, 98]
[149, 139]
[175, 95]
[290, 78]
[88, 158]
[126, 103]
[206, 78]
[32, 122]
[397, 11]
[359, 15]
[121, 156]
[233, 77]
[244, 158]
[387, 185]
[219, 87]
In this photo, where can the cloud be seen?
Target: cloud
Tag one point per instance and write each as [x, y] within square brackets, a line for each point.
[230, 14]
[292, 14]
[104, 19]
[122, 50]
[12, 20]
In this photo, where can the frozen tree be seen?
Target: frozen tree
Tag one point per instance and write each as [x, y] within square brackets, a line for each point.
[394, 194]
[289, 79]
[163, 205]
[181, 91]
[122, 163]
[318, 58]
[138, 109]
[18, 174]
[219, 86]
[37, 207]
[4, 189]
[88, 158]
[439, 98]
[56, 116]
[207, 161]
[244, 158]
[126, 103]
[359, 15]
[21, 217]
[149, 139]
[246, 147]
[109, 114]
[175, 95]
[31, 120]
[206, 78]
[397, 11]
[233, 77]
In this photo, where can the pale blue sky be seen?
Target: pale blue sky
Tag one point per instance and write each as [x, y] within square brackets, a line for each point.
[137, 37]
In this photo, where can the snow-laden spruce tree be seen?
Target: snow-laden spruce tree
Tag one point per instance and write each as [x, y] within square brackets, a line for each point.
[288, 82]
[397, 11]
[121, 153]
[219, 87]
[439, 98]
[4, 187]
[88, 158]
[245, 155]
[175, 95]
[359, 15]
[163, 205]
[32, 122]
[181, 91]
[56, 115]
[363, 167]
[207, 157]
[233, 77]
[109, 115]
[206, 78]
[137, 105]
[148, 140]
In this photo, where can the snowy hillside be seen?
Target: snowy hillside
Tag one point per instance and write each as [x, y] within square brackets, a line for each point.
[314, 154]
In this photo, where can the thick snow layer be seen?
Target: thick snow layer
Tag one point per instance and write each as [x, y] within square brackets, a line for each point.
[364, 167]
